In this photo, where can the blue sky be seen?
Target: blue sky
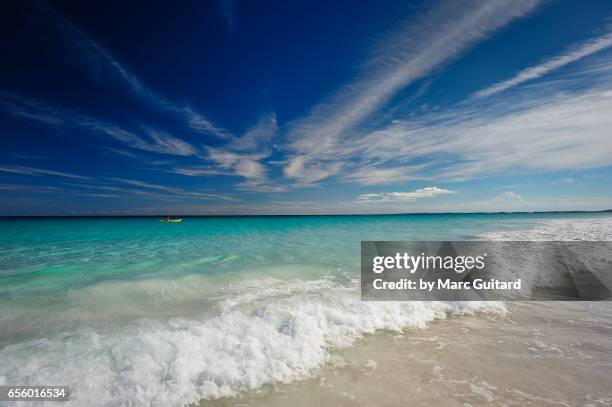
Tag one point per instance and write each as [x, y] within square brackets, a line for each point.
[237, 107]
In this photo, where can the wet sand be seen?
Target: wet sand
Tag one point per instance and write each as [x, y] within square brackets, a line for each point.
[538, 354]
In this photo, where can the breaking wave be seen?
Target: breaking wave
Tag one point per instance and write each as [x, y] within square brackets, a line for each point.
[268, 331]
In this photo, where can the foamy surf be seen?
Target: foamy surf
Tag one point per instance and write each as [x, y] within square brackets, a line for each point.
[589, 229]
[283, 333]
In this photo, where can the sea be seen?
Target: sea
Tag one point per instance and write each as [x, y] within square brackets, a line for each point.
[266, 310]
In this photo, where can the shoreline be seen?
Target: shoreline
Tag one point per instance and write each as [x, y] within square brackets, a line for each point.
[468, 360]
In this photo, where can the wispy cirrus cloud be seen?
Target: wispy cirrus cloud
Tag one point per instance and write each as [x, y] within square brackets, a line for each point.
[574, 54]
[28, 109]
[175, 192]
[550, 132]
[411, 196]
[125, 187]
[200, 171]
[16, 169]
[121, 152]
[307, 171]
[122, 188]
[412, 53]
[563, 181]
[258, 137]
[144, 138]
[370, 174]
[156, 141]
[553, 125]
[227, 10]
[508, 199]
[98, 59]
[29, 188]
[243, 165]
[241, 156]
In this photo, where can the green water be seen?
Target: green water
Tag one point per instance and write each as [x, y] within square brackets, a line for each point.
[52, 254]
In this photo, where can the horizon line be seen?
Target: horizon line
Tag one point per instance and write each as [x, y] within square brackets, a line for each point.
[299, 215]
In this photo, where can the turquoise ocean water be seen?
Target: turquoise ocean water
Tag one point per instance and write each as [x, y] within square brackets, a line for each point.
[141, 300]
[51, 255]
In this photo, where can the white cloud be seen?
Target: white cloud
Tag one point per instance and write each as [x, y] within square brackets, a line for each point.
[199, 123]
[427, 192]
[15, 169]
[309, 172]
[248, 168]
[563, 181]
[168, 144]
[258, 136]
[101, 189]
[149, 139]
[29, 188]
[28, 109]
[120, 152]
[152, 140]
[554, 132]
[509, 197]
[406, 56]
[370, 175]
[243, 165]
[507, 201]
[554, 126]
[243, 156]
[576, 53]
[200, 171]
[173, 192]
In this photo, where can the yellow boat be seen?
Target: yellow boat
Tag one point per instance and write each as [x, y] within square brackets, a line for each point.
[168, 220]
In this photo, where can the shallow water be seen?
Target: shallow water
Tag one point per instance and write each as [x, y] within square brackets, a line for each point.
[168, 314]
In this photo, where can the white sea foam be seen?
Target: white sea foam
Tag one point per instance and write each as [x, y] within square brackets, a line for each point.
[543, 265]
[277, 332]
[589, 229]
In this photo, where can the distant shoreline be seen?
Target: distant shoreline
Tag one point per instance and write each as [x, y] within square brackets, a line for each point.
[303, 215]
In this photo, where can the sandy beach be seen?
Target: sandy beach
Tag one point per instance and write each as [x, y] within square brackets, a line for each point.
[537, 354]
